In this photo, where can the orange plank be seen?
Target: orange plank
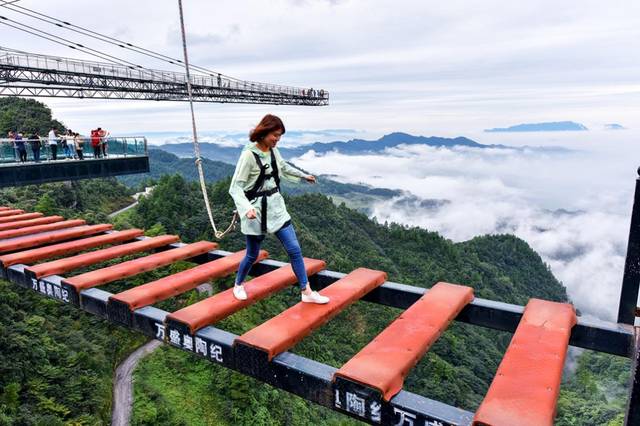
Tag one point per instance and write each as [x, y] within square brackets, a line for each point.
[526, 386]
[385, 362]
[219, 306]
[12, 233]
[17, 217]
[34, 255]
[31, 222]
[60, 266]
[10, 212]
[288, 328]
[137, 266]
[29, 241]
[175, 284]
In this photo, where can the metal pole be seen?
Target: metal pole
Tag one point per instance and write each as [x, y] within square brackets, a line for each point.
[631, 278]
[633, 407]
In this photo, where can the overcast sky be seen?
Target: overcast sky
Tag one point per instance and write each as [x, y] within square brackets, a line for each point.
[427, 67]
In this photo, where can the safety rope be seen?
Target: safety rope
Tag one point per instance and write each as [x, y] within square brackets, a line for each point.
[196, 145]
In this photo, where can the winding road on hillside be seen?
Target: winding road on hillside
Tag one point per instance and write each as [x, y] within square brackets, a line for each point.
[123, 377]
[123, 384]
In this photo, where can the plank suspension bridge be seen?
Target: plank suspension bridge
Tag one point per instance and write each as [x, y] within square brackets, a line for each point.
[369, 386]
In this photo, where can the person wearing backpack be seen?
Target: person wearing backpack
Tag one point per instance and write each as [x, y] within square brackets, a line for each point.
[255, 189]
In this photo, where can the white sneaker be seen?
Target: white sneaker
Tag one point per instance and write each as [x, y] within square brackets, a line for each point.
[239, 293]
[315, 297]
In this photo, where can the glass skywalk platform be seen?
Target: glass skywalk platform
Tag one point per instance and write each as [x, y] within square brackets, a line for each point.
[124, 155]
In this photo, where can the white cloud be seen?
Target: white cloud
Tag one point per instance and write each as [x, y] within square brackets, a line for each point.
[572, 207]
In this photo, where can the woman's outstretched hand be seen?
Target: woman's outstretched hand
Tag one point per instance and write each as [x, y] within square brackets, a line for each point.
[310, 178]
[251, 214]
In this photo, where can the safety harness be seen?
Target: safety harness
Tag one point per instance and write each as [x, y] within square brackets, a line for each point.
[255, 192]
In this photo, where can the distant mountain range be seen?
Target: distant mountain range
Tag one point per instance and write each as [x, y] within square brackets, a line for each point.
[353, 146]
[614, 126]
[558, 126]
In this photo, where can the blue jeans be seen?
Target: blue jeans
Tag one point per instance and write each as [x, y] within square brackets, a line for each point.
[287, 237]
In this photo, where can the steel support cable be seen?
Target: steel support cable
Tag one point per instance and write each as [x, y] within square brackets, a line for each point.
[68, 43]
[81, 49]
[80, 30]
[196, 145]
[107, 39]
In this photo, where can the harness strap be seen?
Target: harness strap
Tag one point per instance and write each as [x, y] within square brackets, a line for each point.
[255, 192]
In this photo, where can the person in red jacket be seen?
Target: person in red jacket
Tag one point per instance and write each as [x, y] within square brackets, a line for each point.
[95, 142]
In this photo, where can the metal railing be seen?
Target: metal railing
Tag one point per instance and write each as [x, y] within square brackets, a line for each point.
[44, 62]
[67, 149]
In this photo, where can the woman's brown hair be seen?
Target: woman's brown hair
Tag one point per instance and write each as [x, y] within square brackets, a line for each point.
[268, 124]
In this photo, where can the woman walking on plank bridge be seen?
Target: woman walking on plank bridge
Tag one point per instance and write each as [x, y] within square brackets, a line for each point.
[255, 189]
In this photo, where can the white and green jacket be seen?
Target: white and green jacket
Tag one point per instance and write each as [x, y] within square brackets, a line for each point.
[246, 175]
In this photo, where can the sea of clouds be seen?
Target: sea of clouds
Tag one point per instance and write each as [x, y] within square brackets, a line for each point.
[571, 205]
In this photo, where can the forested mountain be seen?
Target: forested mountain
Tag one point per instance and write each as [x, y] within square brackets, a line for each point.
[56, 362]
[26, 116]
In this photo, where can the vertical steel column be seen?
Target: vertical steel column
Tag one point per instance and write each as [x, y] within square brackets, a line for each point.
[633, 408]
[631, 278]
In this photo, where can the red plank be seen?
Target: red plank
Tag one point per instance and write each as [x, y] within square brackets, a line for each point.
[526, 386]
[29, 241]
[288, 328]
[10, 212]
[175, 284]
[138, 266]
[2, 208]
[217, 307]
[12, 233]
[21, 216]
[31, 222]
[70, 247]
[60, 266]
[385, 362]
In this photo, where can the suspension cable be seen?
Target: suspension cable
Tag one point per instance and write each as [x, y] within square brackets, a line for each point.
[107, 39]
[66, 42]
[72, 45]
[196, 145]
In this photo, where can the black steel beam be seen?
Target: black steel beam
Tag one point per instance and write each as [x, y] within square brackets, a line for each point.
[35, 173]
[632, 417]
[631, 277]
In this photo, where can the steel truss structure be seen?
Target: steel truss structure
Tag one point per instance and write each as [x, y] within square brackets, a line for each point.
[33, 75]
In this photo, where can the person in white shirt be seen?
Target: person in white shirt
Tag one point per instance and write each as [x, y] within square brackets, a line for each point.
[53, 143]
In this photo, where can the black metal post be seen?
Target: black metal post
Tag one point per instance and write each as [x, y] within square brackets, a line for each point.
[633, 408]
[631, 278]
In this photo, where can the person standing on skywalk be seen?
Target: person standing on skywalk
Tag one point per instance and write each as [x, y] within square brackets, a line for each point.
[255, 189]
